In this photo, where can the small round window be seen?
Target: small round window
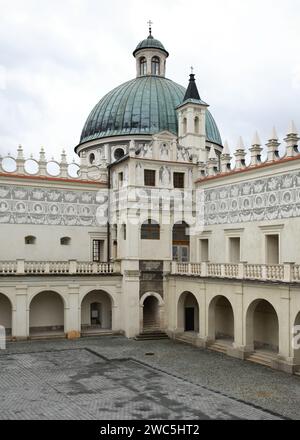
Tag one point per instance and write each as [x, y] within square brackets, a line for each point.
[92, 158]
[119, 153]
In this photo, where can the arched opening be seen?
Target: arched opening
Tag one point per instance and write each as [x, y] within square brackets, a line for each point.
[6, 314]
[143, 66]
[150, 230]
[181, 242]
[96, 313]
[155, 66]
[188, 313]
[262, 327]
[221, 320]
[151, 314]
[92, 158]
[65, 241]
[197, 125]
[184, 125]
[119, 153]
[46, 315]
[296, 342]
[30, 239]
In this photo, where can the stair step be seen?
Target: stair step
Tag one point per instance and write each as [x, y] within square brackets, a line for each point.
[261, 358]
[220, 348]
[47, 336]
[154, 335]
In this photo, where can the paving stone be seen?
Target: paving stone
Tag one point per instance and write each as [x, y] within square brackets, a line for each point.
[112, 378]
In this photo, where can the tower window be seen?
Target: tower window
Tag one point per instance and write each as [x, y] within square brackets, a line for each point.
[143, 66]
[30, 239]
[149, 177]
[150, 230]
[184, 128]
[155, 66]
[197, 125]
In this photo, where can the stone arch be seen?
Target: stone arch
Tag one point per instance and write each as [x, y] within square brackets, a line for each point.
[151, 312]
[6, 313]
[96, 311]
[221, 319]
[47, 313]
[296, 342]
[262, 326]
[188, 313]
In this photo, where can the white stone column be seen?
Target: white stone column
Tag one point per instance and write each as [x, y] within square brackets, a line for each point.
[72, 313]
[20, 317]
[131, 297]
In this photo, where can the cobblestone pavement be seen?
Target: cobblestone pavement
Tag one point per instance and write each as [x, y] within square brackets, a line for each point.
[115, 378]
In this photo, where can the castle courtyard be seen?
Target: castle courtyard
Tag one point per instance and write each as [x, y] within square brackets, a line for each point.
[114, 378]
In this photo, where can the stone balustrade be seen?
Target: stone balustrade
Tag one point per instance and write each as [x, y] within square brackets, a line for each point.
[287, 272]
[71, 267]
[61, 169]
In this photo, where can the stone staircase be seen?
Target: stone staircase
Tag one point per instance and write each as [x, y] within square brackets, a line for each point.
[262, 357]
[151, 335]
[219, 346]
[186, 338]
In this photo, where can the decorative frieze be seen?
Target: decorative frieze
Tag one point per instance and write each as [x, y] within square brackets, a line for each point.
[271, 198]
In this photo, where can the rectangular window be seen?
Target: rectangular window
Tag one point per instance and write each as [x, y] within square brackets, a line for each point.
[178, 180]
[98, 248]
[204, 253]
[234, 250]
[149, 177]
[272, 249]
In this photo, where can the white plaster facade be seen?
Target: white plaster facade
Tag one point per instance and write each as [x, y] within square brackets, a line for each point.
[235, 284]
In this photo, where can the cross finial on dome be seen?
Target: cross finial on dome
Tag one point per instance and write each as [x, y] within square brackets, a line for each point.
[192, 70]
[150, 23]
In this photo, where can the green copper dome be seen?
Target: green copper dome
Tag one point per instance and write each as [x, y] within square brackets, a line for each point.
[144, 105]
[150, 43]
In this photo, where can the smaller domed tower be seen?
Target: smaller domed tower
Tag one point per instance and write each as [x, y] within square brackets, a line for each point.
[192, 122]
[150, 56]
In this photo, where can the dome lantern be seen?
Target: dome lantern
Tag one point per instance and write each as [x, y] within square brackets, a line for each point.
[150, 56]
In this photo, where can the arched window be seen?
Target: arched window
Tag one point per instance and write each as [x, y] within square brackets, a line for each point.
[155, 66]
[143, 66]
[184, 125]
[181, 242]
[65, 241]
[30, 239]
[197, 125]
[92, 158]
[150, 230]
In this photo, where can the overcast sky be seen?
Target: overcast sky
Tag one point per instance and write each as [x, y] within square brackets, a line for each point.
[59, 57]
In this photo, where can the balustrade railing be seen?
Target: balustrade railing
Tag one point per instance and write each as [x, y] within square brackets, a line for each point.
[287, 272]
[71, 267]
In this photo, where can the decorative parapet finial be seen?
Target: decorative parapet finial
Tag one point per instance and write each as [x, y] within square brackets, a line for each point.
[212, 164]
[240, 155]
[273, 146]
[256, 150]
[226, 158]
[292, 140]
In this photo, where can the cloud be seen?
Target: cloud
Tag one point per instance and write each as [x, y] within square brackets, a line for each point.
[59, 58]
